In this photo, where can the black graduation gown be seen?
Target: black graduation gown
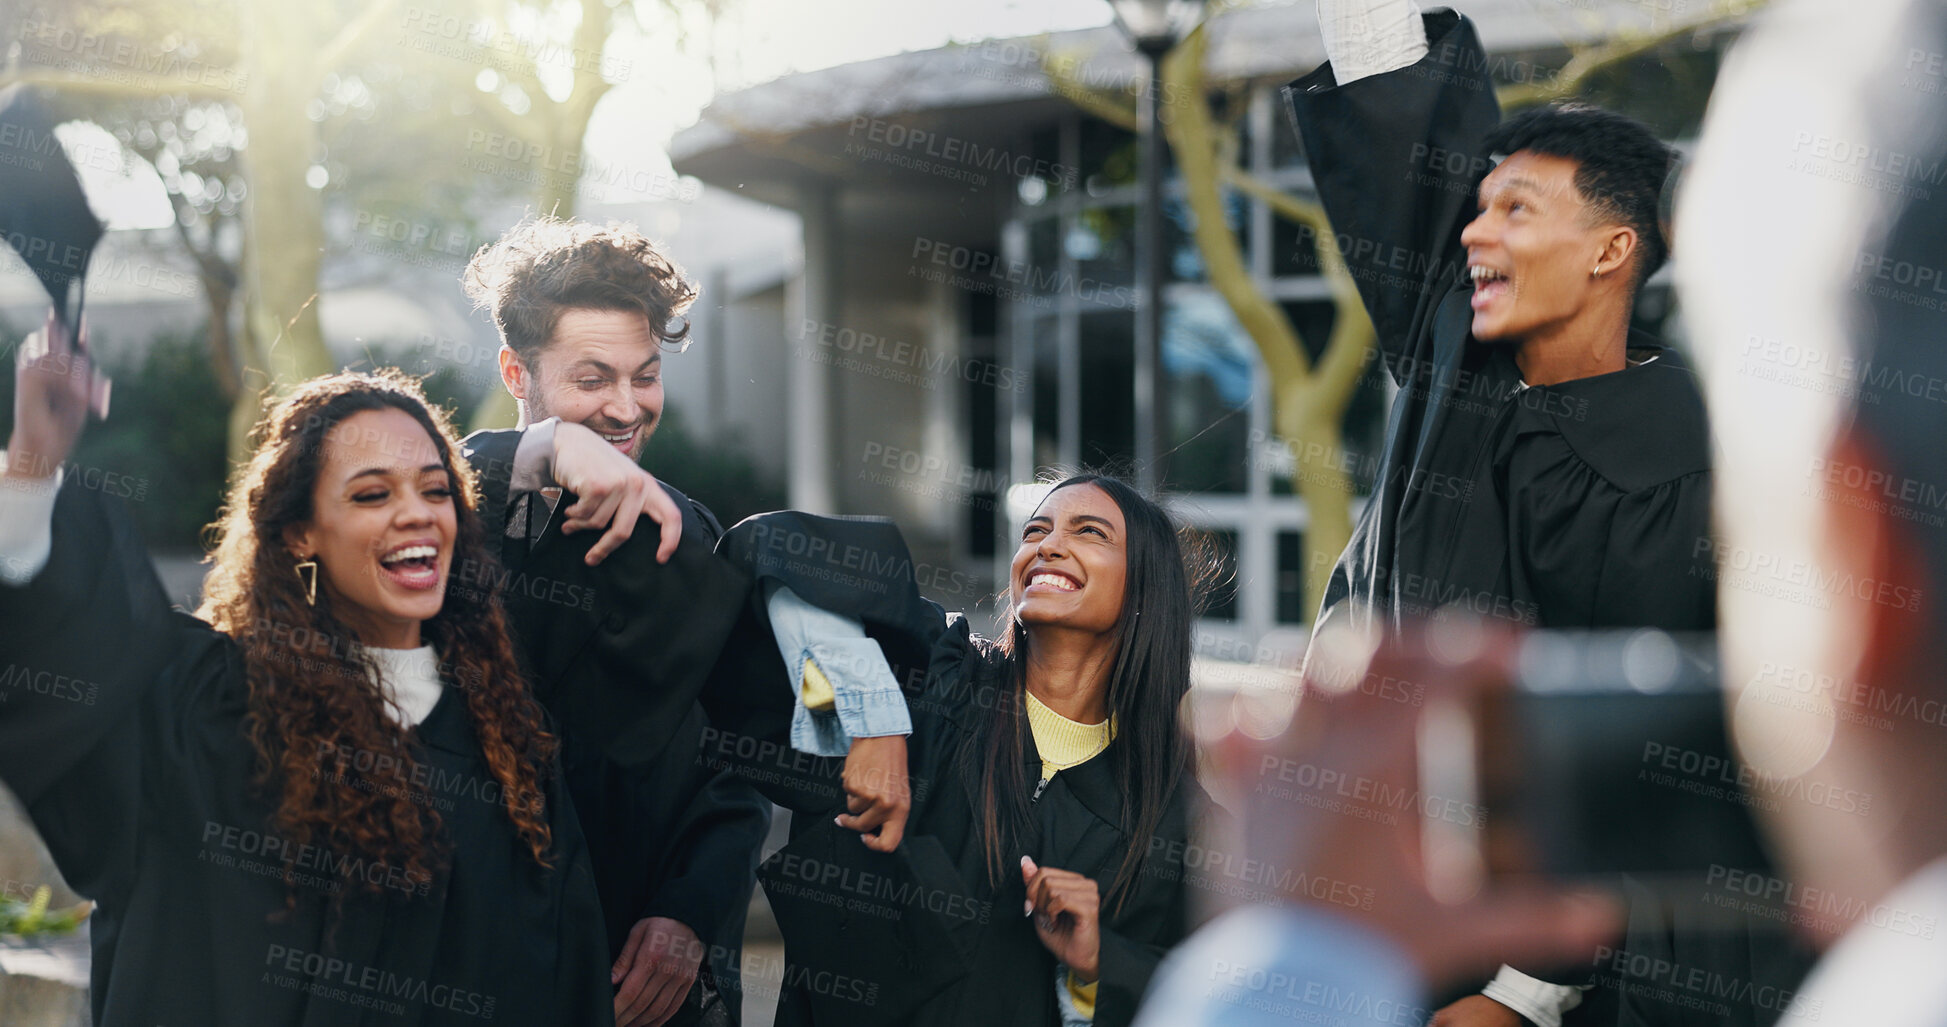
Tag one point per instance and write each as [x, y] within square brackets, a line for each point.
[1584, 504]
[1742, 977]
[619, 655]
[921, 937]
[121, 732]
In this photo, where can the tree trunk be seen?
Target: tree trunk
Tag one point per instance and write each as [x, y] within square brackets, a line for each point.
[563, 125]
[283, 225]
[1308, 401]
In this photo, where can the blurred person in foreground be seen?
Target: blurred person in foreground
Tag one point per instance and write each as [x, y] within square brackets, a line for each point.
[1813, 286]
[618, 632]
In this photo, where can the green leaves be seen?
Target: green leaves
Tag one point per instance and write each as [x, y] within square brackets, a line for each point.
[31, 918]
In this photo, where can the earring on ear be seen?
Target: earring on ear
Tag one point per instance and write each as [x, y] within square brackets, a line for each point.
[307, 572]
[1597, 273]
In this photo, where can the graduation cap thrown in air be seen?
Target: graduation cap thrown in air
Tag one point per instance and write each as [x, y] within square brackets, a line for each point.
[43, 212]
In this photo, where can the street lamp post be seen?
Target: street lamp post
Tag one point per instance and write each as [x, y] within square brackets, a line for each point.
[1153, 27]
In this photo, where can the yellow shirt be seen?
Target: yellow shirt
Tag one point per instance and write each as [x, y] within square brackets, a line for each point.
[1065, 743]
[817, 689]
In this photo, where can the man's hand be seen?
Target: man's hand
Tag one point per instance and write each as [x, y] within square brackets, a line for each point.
[878, 796]
[56, 385]
[611, 491]
[1475, 1011]
[1067, 911]
[657, 967]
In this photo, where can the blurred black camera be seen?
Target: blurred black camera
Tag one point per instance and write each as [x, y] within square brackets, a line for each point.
[1608, 754]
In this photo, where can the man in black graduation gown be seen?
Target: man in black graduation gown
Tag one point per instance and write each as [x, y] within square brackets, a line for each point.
[619, 652]
[1542, 463]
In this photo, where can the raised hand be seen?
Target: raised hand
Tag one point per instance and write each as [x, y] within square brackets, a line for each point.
[56, 385]
[611, 492]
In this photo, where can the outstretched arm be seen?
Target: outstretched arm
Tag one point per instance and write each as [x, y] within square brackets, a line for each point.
[611, 491]
[87, 631]
[847, 703]
[1393, 130]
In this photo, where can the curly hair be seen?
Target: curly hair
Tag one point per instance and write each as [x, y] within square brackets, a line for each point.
[342, 770]
[546, 265]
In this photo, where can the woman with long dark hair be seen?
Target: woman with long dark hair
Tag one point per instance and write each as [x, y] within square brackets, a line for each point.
[328, 799]
[1041, 873]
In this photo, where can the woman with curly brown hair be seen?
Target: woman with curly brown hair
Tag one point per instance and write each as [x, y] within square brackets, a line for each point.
[331, 799]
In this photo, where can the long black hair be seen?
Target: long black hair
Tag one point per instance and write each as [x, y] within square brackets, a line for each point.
[1150, 677]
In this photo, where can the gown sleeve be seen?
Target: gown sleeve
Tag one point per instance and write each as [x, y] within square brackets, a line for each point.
[856, 568]
[1658, 567]
[86, 640]
[722, 828]
[1396, 158]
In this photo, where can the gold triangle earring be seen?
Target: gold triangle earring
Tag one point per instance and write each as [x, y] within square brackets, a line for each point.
[307, 572]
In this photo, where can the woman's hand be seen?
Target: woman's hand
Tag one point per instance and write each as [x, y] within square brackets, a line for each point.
[55, 386]
[1067, 911]
[611, 492]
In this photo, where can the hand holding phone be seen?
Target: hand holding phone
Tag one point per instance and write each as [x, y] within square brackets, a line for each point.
[1333, 813]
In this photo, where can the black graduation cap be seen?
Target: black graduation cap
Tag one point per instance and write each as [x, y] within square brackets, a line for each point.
[43, 212]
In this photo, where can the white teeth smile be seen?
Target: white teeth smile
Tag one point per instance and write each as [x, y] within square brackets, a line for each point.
[1056, 580]
[624, 437]
[1480, 274]
[409, 553]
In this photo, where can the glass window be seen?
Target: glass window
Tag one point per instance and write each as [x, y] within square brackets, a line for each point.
[1293, 250]
[1108, 389]
[1045, 348]
[983, 451]
[1185, 260]
[1208, 370]
[1313, 321]
[1102, 242]
[1052, 177]
[1291, 579]
[1044, 254]
[1287, 150]
[1362, 432]
[1109, 155]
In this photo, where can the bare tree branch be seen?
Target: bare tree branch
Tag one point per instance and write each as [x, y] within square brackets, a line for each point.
[1587, 61]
